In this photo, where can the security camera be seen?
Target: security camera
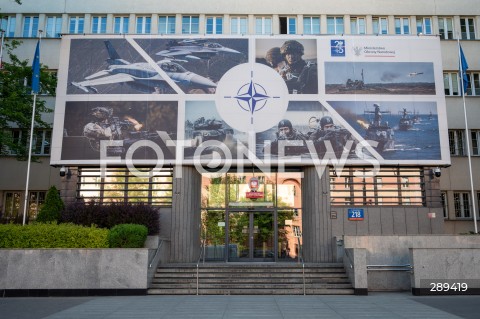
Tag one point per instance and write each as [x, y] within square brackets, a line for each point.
[437, 171]
[63, 171]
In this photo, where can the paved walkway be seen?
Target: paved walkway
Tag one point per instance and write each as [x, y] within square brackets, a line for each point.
[376, 305]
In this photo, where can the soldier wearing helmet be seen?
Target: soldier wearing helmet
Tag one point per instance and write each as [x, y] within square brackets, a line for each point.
[275, 59]
[300, 76]
[328, 131]
[287, 132]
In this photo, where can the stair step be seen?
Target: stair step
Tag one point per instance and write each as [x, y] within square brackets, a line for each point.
[250, 291]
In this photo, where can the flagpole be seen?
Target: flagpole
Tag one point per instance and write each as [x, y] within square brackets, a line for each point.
[468, 139]
[30, 144]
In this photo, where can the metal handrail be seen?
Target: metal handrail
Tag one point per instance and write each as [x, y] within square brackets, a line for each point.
[300, 258]
[202, 253]
[349, 258]
[156, 252]
[405, 267]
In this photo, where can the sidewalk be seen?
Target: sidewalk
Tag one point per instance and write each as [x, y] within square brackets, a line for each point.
[376, 305]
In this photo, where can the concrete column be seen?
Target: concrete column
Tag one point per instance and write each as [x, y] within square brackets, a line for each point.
[185, 219]
[317, 225]
[42, 24]
[18, 25]
[68, 186]
[323, 24]
[346, 24]
[154, 26]
[87, 26]
[178, 23]
[413, 24]
[226, 24]
[110, 23]
[251, 24]
[456, 28]
[64, 24]
[300, 24]
[391, 24]
[275, 24]
[202, 24]
[132, 25]
[368, 24]
[435, 29]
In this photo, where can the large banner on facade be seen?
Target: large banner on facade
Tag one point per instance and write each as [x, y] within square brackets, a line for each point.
[276, 100]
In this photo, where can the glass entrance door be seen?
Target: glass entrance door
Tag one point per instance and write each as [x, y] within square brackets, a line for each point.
[251, 236]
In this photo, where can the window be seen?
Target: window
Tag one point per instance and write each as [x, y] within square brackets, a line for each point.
[467, 28]
[357, 25]
[461, 202]
[475, 142]
[238, 25]
[99, 24]
[76, 25]
[54, 27]
[8, 25]
[166, 25]
[297, 232]
[450, 82]
[380, 25]
[445, 27]
[402, 26]
[190, 24]
[35, 202]
[121, 186]
[311, 25]
[41, 141]
[30, 27]
[143, 25]
[288, 25]
[391, 186]
[424, 25]
[443, 198]
[263, 25]
[11, 207]
[455, 139]
[214, 25]
[120, 25]
[335, 25]
[473, 87]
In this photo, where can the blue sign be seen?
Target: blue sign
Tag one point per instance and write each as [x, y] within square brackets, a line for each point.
[337, 47]
[355, 214]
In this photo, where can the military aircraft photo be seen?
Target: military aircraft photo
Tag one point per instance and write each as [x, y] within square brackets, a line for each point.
[141, 75]
[414, 74]
[194, 49]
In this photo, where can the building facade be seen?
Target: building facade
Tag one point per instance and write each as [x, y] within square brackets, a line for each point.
[301, 211]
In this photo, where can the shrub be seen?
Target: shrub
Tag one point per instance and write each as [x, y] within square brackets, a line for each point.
[51, 235]
[127, 236]
[107, 216]
[51, 209]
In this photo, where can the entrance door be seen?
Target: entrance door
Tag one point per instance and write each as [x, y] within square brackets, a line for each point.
[251, 236]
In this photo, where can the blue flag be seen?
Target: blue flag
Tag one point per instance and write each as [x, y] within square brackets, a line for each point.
[464, 68]
[36, 70]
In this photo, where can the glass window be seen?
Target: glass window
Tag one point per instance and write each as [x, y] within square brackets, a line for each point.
[238, 25]
[402, 26]
[335, 25]
[445, 28]
[166, 24]
[120, 25]
[380, 25]
[450, 83]
[11, 206]
[214, 25]
[357, 25]
[461, 203]
[35, 202]
[144, 25]
[190, 24]
[311, 25]
[467, 28]
[99, 24]
[443, 198]
[76, 24]
[288, 25]
[391, 186]
[456, 142]
[263, 25]
[424, 25]
[54, 27]
[30, 27]
[8, 25]
[473, 87]
[475, 142]
[40, 144]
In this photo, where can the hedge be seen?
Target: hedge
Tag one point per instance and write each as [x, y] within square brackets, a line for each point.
[38, 235]
[127, 236]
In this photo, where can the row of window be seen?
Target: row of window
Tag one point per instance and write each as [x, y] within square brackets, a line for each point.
[12, 203]
[42, 140]
[462, 205]
[190, 24]
[452, 84]
[457, 142]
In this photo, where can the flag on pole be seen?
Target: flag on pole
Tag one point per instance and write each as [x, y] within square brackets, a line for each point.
[463, 68]
[36, 70]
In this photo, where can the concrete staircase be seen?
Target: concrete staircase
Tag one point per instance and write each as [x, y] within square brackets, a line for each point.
[251, 279]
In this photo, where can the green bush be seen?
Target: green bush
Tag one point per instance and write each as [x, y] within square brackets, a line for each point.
[127, 236]
[51, 235]
[52, 208]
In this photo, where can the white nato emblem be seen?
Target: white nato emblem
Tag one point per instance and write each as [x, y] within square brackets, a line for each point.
[252, 97]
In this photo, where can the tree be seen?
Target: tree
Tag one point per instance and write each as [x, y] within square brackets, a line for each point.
[16, 101]
[52, 207]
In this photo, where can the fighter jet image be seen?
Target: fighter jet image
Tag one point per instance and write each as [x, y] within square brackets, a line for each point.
[194, 49]
[141, 75]
[412, 74]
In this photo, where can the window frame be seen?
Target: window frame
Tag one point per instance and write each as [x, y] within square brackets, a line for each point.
[288, 25]
[121, 24]
[380, 25]
[355, 23]
[16, 205]
[143, 24]
[30, 26]
[402, 25]
[8, 25]
[236, 26]
[166, 26]
[78, 22]
[423, 26]
[310, 26]
[475, 137]
[265, 29]
[451, 83]
[190, 24]
[56, 26]
[456, 142]
[338, 24]
[467, 28]
[101, 24]
[444, 202]
[215, 23]
[462, 204]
